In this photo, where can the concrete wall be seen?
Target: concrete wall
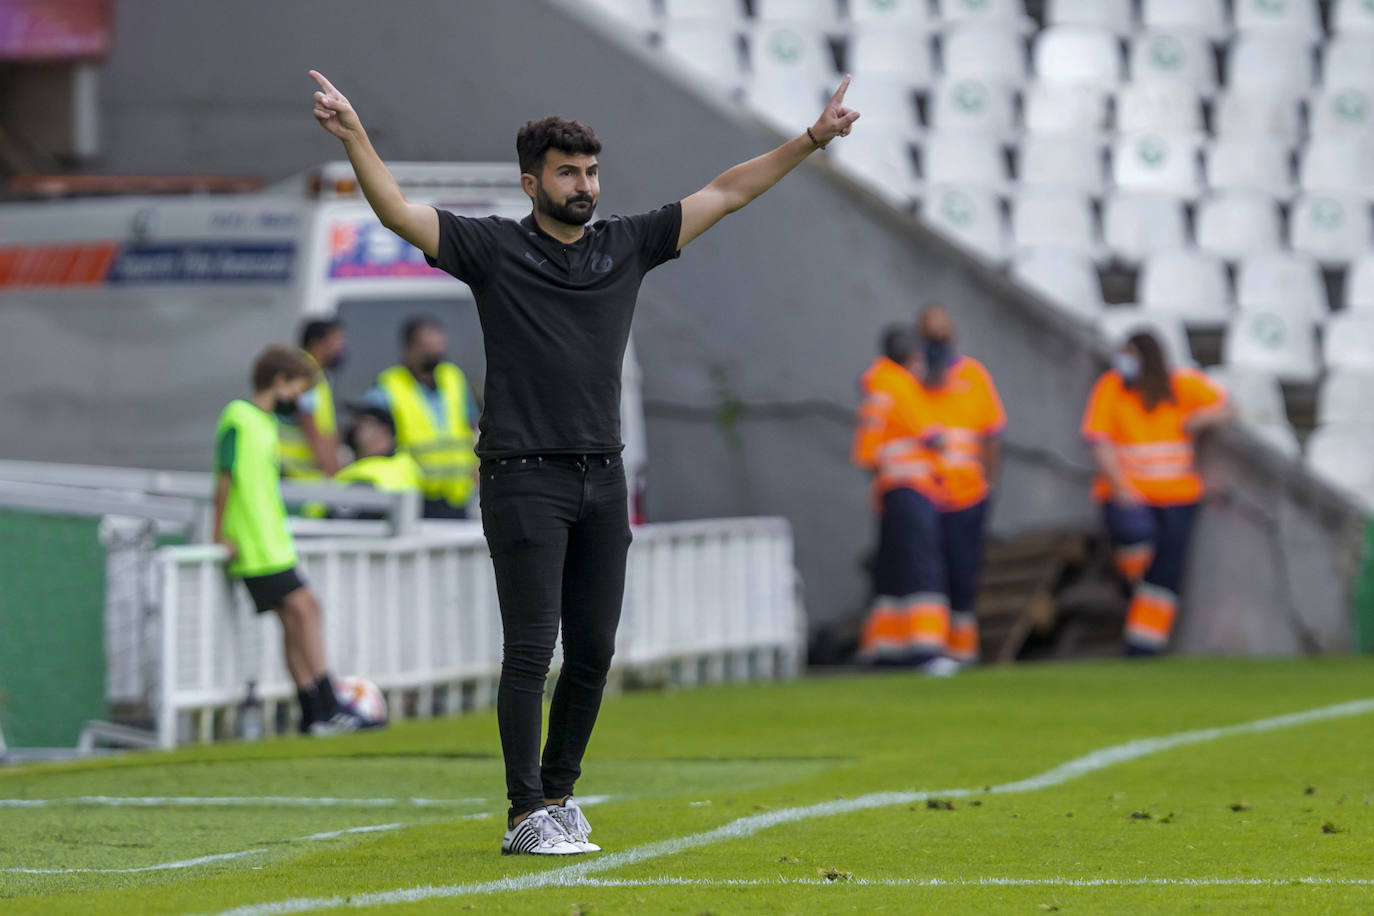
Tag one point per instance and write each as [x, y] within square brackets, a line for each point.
[751, 344]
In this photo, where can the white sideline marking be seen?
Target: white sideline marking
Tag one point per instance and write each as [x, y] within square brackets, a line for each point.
[973, 882]
[200, 860]
[195, 801]
[573, 875]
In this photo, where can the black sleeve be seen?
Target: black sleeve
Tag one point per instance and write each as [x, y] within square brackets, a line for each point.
[656, 233]
[468, 248]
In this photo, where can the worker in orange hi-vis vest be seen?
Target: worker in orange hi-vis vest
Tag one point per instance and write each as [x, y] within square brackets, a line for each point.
[908, 621]
[968, 421]
[1141, 421]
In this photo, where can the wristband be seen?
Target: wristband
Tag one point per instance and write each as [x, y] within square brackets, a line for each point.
[812, 134]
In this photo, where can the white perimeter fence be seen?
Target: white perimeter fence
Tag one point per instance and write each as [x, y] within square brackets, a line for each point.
[417, 614]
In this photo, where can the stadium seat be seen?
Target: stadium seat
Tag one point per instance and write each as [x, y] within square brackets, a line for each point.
[1348, 60]
[973, 106]
[1353, 17]
[1119, 322]
[1347, 112]
[1283, 282]
[971, 216]
[1174, 56]
[1257, 396]
[1240, 114]
[1064, 277]
[1339, 164]
[1078, 55]
[1156, 163]
[1187, 283]
[1116, 16]
[779, 50]
[1232, 224]
[888, 103]
[1159, 107]
[710, 51]
[1063, 162]
[1339, 454]
[1250, 165]
[979, 52]
[724, 13]
[1348, 343]
[824, 14]
[963, 159]
[906, 14]
[1359, 284]
[1346, 396]
[901, 53]
[786, 104]
[1331, 229]
[1298, 18]
[636, 14]
[1053, 218]
[1137, 225]
[881, 161]
[1279, 343]
[1205, 17]
[1271, 62]
[1002, 14]
[1064, 110]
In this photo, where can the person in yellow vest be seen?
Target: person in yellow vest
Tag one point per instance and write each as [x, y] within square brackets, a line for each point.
[309, 435]
[429, 399]
[377, 462]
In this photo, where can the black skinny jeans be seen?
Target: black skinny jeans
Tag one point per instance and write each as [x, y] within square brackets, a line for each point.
[558, 529]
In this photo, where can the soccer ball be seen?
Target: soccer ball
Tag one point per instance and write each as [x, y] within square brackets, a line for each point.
[362, 696]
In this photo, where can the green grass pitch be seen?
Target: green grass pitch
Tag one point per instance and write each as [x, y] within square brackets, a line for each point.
[1276, 819]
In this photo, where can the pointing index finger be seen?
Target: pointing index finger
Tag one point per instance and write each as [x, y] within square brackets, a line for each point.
[325, 84]
[838, 97]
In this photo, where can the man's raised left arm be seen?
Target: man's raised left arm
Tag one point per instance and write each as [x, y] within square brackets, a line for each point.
[735, 188]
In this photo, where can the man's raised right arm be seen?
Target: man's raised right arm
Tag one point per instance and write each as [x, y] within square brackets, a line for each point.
[418, 224]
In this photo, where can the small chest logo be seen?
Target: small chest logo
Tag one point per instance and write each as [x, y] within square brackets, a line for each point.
[602, 263]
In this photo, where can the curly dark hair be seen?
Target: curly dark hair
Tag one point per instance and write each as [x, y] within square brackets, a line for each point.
[536, 138]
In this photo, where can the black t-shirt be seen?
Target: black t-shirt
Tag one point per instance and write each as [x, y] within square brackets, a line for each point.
[555, 322]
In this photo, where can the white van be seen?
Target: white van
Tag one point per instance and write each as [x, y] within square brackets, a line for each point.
[128, 321]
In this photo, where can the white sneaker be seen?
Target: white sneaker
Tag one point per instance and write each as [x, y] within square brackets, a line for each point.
[574, 823]
[538, 835]
[943, 666]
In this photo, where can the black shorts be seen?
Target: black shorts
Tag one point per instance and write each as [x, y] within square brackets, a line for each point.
[269, 591]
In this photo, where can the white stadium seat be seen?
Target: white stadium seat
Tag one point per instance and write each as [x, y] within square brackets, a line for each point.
[1121, 321]
[891, 52]
[1234, 223]
[1062, 162]
[1353, 17]
[708, 50]
[1271, 62]
[1206, 17]
[964, 159]
[1289, 17]
[883, 162]
[1251, 164]
[971, 216]
[1347, 112]
[1257, 396]
[1116, 16]
[1005, 14]
[1340, 164]
[1339, 454]
[1348, 60]
[1064, 277]
[1359, 284]
[637, 14]
[1159, 107]
[1174, 56]
[1078, 55]
[888, 104]
[1064, 110]
[778, 50]
[1048, 217]
[1188, 283]
[1282, 281]
[1157, 163]
[1331, 229]
[786, 104]
[907, 14]
[1348, 343]
[1278, 343]
[994, 54]
[1346, 396]
[823, 13]
[973, 106]
[1138, 225]
[1240, 114]
[722, 12]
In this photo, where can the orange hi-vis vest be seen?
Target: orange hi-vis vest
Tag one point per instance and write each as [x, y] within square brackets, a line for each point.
[1154, 453]
[965, 411]
[892, 420]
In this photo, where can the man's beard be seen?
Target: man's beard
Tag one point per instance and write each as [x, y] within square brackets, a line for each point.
[565, 212]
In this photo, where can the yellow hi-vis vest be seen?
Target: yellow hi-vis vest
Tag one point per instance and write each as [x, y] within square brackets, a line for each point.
[297, 459]
[445, 456]
[396, 473]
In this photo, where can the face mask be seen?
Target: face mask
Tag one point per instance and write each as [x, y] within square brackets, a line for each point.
[337, 362]
[1127, 366]
[285, 408]
[939, 354]
[431, 363]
